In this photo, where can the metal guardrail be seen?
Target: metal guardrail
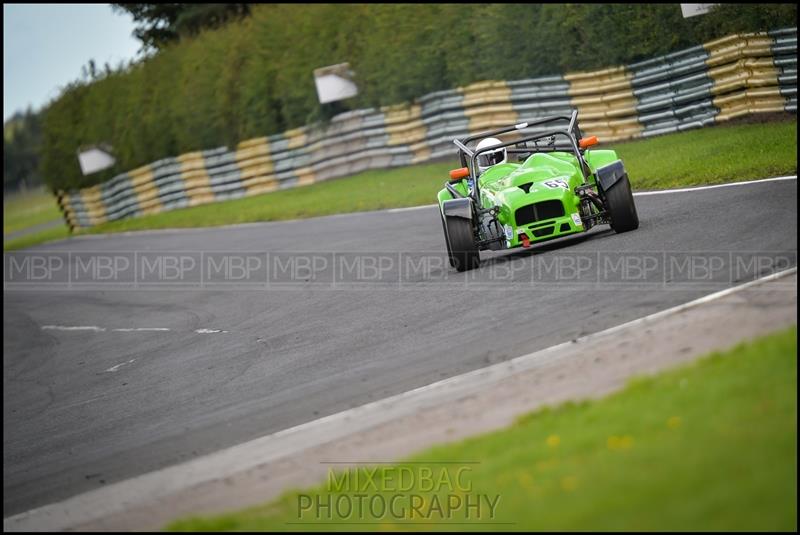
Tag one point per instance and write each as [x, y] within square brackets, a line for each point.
[702, 85]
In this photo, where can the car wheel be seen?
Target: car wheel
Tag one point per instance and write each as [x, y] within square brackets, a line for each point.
[463, 250]
[620, 205]
[447, 242]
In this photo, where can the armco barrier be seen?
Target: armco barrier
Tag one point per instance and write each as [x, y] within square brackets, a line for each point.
[727, 78]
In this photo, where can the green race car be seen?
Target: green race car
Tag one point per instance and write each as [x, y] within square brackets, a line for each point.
[558, 187]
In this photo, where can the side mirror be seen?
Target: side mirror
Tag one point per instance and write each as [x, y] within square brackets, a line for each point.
[588, 142]
[458, 174]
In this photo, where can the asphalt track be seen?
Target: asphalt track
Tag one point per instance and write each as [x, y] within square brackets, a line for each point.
[84, 408]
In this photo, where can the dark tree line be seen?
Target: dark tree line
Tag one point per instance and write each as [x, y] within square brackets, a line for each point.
[22, 139]
[160, 25]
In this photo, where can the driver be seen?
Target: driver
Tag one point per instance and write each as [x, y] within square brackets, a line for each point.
[488, 159]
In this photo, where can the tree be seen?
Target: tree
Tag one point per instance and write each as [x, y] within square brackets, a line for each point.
[21, 146]
[162, 24]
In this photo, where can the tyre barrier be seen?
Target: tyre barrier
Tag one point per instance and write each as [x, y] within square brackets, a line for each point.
[730, 77]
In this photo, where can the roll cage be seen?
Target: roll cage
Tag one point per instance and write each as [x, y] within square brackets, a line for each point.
[469, 157]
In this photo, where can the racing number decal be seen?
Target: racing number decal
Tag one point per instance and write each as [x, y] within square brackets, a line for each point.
[557, 184]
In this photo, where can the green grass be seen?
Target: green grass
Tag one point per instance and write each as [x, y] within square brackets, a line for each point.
[708, 446]
[370, 190]
[705, 156]
[24, 210]
[36, 238]
[712, 155]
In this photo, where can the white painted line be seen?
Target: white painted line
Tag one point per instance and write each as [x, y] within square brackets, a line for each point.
[715, 186]
[390, 210]
[112, 369]
[137, 329]
[121, 329]
[409, 208]
[72, 328]
[519, 363]
[699, 301]
[125, 329]
[148, 487]
[644, 193]
[79, 403]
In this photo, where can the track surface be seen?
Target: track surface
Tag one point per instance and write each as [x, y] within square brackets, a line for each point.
[292, 354]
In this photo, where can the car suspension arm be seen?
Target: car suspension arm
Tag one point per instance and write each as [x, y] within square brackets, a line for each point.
[453, 191]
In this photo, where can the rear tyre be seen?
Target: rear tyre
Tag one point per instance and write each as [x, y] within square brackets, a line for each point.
[463, 251]
[620, 206]
[447, 242]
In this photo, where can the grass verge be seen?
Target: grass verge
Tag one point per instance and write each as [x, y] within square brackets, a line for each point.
[43, 236]
[24, 210]
[714, 155]
[705, 156]
[708, 446]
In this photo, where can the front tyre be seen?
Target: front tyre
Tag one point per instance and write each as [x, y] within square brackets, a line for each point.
[464, 253]
[620, 206]
[447, 242]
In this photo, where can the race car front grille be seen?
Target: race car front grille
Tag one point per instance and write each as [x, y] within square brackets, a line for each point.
[544, 231]
[538, 212]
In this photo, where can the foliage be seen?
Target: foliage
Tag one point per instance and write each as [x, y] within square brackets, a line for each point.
[22, 138]
[29, 209]
[253, 77]
[163, 24]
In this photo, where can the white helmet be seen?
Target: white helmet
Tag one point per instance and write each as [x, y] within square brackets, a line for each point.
[488, 159]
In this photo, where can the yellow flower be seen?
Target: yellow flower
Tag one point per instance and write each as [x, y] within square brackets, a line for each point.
[619, 443]
[569, 483]
[674, 422]
[546, 465]
[525, 481]
[553, 441]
